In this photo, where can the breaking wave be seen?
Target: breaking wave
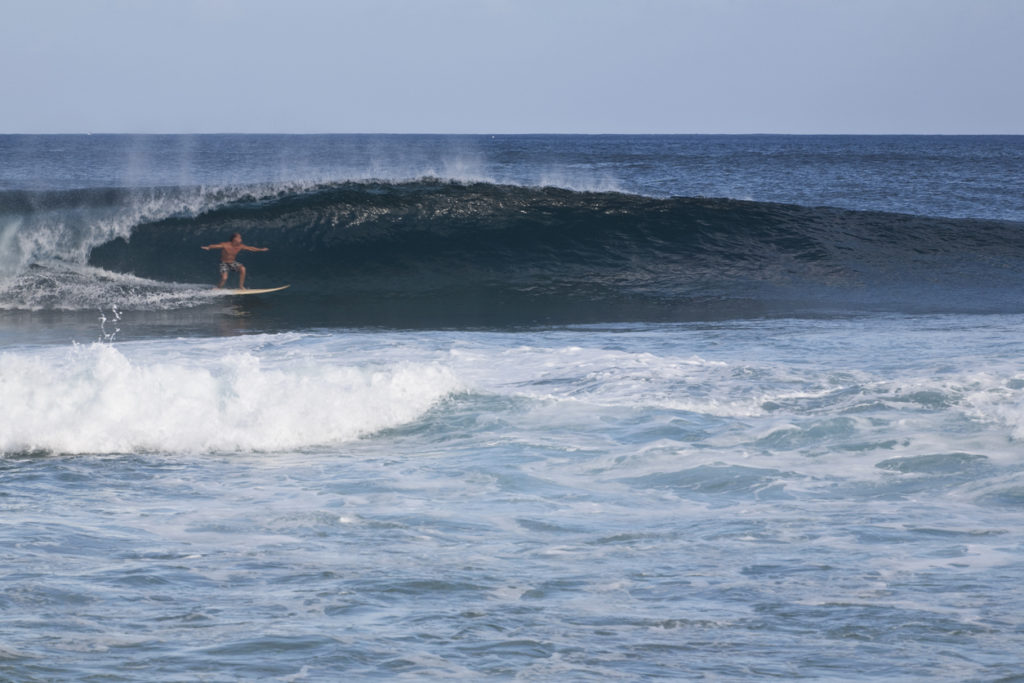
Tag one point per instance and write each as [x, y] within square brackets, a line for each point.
[435, 252]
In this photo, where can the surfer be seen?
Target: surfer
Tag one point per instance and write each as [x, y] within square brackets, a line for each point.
[228, 251]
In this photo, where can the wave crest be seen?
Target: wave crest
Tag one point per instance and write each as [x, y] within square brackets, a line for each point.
[95, 399]
[431, 251]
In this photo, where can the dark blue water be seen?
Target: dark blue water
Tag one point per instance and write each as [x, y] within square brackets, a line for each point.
[421, 231]
[534, 407]
[953, 176]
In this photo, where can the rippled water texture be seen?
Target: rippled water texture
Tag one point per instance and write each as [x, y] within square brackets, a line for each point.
[823, 499]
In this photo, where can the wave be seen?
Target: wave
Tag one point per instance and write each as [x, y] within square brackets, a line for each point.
[437, 252]
[96, 399]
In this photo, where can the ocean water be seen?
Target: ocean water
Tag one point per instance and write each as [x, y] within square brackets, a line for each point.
[533, 408]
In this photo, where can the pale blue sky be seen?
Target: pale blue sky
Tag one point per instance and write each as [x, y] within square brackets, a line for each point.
[512, 66]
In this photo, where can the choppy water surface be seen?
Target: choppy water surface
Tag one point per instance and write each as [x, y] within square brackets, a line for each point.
[792, 498]
[534, 407]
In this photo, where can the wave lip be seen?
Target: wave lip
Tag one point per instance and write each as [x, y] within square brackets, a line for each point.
[435, 252]
[95, 399]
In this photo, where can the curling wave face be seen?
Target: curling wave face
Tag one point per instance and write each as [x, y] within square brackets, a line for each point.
[438, 252]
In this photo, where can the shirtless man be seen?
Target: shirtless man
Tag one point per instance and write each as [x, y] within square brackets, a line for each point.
[228, 251]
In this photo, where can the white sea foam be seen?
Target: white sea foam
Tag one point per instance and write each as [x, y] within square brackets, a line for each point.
[73, 287]
[97, 399]
[68, 234]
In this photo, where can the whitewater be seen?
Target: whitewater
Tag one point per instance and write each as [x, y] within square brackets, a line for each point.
[533, 408]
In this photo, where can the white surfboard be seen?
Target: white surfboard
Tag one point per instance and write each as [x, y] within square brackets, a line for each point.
[250, 291]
